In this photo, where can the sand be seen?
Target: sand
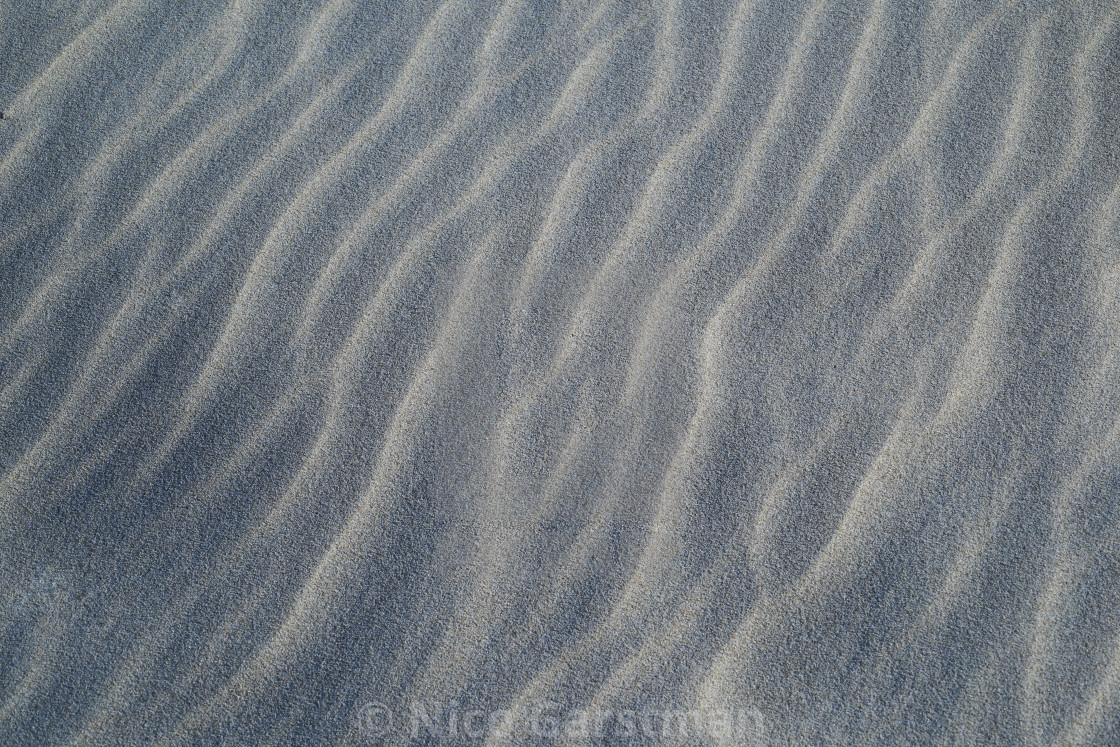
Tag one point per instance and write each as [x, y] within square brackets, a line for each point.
[559, 373]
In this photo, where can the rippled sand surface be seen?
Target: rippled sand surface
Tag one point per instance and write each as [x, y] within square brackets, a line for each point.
[559, 373]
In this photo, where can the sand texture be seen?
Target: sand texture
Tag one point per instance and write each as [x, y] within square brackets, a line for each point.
[539, 372]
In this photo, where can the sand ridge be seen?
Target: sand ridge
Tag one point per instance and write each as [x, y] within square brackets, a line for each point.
[451, 372]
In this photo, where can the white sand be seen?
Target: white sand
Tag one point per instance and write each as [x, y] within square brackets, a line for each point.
[370, 368]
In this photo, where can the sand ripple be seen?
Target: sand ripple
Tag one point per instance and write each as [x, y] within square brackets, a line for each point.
[653, 358]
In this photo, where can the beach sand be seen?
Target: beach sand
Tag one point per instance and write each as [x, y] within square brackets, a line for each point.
[559, 373]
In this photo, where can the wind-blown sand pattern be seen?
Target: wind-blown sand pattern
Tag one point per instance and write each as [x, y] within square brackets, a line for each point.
[367, 362]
